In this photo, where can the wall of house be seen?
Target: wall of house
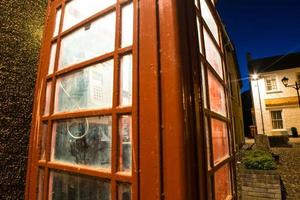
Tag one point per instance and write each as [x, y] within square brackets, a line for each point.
[235, 99]
[290, 109]
[20, 36]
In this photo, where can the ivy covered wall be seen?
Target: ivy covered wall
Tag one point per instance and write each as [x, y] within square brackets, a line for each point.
[21, 27]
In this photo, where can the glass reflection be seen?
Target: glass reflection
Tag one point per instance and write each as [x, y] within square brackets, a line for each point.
[83, 141]
[78, 10]
[216, 95]
[47, 99]
[222, 183]
[209, 19]
[65, 186]
[43, 137]
[95, 39]
[219, 140]
[91, 87]
[213, 55]
[57, 22]
[126, 81]
[40, 184]
[125, 134]
[52, 59]
[124, 191]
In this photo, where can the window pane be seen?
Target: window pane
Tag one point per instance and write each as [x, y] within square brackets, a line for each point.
[52, 59]
[216, 95]
[124, 191]
[78, 10]
[57, 22]
[204, 87]
[199, 34]
[40, 184]
[43, 137]
[83, 141]
[209, 19]
[91, 87]
[126, 81]
[47, 99]
[125, 138]
[219, 140]
[64, 186]
[208, 151]
[213, 55]
[93, 40]
[222, 183]
[127, 25]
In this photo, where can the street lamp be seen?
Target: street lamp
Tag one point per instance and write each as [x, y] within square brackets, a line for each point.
[255, 77]
[296, 86]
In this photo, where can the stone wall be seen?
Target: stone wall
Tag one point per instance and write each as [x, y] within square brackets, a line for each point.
[21, 27]
[259, 184]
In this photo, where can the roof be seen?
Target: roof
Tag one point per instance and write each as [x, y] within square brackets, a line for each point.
[274, 63]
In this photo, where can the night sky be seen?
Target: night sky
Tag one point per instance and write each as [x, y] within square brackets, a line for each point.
[262, 27]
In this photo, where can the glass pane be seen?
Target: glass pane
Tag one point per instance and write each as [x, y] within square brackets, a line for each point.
[209, 19]
[208, 151]
[127, 25]
[43, 137]
[126, 81]
[65, 186]
[83, 141]
[216, 95]
[47, 98]
[199, 34]
[124, 191]
[219, 140]
[57, 22]
[40, 184]
[125, 138]
[204, 87]
[91, 87]
[95, 39]
[222, 183]
[52, 59]
[78, 10]
[213, 55]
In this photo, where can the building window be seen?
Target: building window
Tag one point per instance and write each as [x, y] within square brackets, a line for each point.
[271, 83]
[298, 77]
[277, 122]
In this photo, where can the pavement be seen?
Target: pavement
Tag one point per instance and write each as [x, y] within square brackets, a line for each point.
[289, 168]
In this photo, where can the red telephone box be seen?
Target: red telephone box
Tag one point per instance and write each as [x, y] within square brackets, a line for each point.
[131, 103]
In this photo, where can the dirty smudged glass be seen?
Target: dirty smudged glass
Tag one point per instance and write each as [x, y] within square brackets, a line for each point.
[65, 186]
[88, 88]
[83, 141]
[125, 146]
[78, 10]
[124, 191]
[222, 182]
[90, 41]
[43, 137]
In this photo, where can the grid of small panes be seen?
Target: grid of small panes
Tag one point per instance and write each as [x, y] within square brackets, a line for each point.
[86, 134]
[214, 101]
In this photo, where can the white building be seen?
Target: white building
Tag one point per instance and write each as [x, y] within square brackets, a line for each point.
[276, 107]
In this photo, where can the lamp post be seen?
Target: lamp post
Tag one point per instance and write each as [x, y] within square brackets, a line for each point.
[296, 86]
[255, 77]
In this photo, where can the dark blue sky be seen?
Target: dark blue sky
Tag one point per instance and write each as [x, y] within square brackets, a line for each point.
[262, 27]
